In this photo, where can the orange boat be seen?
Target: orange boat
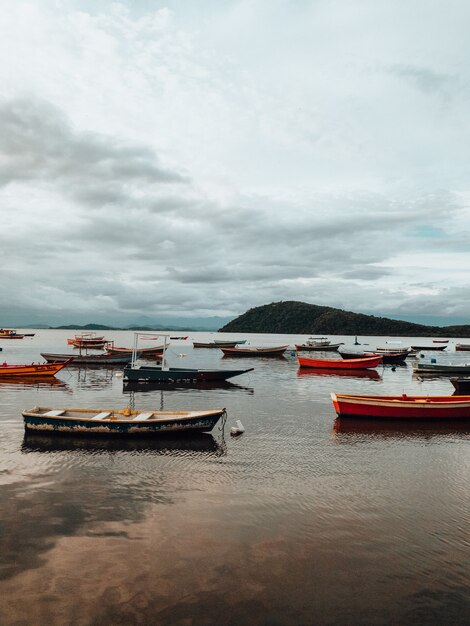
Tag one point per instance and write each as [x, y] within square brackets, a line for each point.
[34, 369]
[402, 407]
[340, 364]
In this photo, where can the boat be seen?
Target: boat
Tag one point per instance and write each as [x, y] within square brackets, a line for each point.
[88, 340]
[153, 352]
[429, 347]
[122, 422]
[178, 376]
[387, 357]
[182, 338]
[442, 368]
[317, 347]
[10, 333]
[462, 347]
[440, 341]
[88, 359]
[387, 350]
[241, 352]
[402, 407]
[461, 386]
[340, 364]
[217, 344]
[32, 369]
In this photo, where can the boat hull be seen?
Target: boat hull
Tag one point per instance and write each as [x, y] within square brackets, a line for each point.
[402, 407]
[81, 422]
[332, 347]
[34, 370]
[340, 364]
[461, 386]
[177, 376]
[218, 344]
[434, 348]
[399, 357]
[89, 359]
[255, 352]
[436, 368]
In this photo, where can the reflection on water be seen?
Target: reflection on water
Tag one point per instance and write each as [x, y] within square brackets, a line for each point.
[132, 386]
[195, 443]
[370, 374]
[34, 381]
[402, 429]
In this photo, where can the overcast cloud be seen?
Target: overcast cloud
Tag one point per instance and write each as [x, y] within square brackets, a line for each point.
[199, 159]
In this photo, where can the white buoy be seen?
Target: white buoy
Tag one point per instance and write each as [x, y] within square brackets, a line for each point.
[238, 429]
[118, 374]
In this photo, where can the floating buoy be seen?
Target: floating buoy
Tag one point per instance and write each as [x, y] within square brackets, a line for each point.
[118, 374]
[238, 429]
[182, 355]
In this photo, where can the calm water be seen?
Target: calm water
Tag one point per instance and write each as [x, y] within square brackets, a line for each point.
[301, 520]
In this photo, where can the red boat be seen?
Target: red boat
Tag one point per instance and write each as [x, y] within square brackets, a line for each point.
[389, 357]
[462, 347]
[402, 407]
[277, 351]
[33, 369]
[340, 364]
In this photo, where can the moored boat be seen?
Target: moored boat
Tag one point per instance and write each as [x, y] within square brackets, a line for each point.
[461, 386]
[32, 369]
[402, 407]
[433, 347]
[178, 376]
[317, 347]
[123, 422]
[462, 347]
[88, 359]
[275, 351]
[217, 344]
[442, 368]
[10, 333]
[340, 364]
[387, 357]
[152, 352]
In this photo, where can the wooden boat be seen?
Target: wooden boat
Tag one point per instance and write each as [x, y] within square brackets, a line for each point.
[154, 351]
[442, 368]
[177, 375]
[388, 350]
[402, 407]
[388, 357]
[440, 341]
[88, 340]
[317, 347]
[461, 386]
[340, 364]
[217, 344]
[10, 333]
[88, 359]
[241, 352]
[462, 347]
[123, 422]
[32, 369]
[182, 338]
[429, 347]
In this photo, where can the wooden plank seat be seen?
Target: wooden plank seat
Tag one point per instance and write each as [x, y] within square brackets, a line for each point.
[55, 413]
[142, 416]
[101, 416]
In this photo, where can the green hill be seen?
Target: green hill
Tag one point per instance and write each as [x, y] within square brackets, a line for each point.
[304, 319]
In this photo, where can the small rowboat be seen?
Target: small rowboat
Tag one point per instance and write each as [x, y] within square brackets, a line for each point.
[271, 352]
[9, 333]
[154, 351]
[462, 347]
[430, 347]
[440, 341]
[33, 369]
[402, 407]
[444, 368]
[461, 386]
[217, 344]
[123, 422]
[88, 359]
[317, 347]
[388, 357]
[341, 364]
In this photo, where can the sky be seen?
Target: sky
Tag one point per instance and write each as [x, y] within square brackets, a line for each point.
[187, 159]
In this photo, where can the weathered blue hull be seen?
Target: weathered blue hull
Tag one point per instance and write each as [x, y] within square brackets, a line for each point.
[84, 426]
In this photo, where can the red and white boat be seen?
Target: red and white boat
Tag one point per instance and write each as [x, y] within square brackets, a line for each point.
[340, 364]
[402, 407]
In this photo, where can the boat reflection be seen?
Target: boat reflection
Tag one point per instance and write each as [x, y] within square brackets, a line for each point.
[131, 386]
[370, 374]
[399, 429]
[34, 381]
[166, 444]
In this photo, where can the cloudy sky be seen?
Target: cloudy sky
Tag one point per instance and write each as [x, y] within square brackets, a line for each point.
[186, 158]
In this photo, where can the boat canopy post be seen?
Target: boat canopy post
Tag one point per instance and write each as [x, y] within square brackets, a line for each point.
[154, 335]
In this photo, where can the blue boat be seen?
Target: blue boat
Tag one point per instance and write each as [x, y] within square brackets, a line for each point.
[118, 422]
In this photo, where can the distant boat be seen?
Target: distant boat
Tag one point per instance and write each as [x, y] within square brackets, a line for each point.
[178, 376]
[217, 344]
[429, 347]
[340, 364]
[10, 333]
[87, 340]
[275, 351]
[461, 385]
[124, 422]
[88, 359]
[388, 357]
[402, 407]
[153, 352]
[387, 350]
[32, 369]
[442, 368]
[317, 347]
[440, 341]
[179, 338]
[462, 347]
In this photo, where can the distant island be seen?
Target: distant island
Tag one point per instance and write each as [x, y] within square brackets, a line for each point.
[300, 318]
[92, 327]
